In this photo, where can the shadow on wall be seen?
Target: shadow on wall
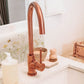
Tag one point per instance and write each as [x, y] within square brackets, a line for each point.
[67, 49]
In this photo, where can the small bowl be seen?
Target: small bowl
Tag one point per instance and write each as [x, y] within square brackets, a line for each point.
[37, 53]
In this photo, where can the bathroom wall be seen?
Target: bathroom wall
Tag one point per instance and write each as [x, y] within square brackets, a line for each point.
[64, 29]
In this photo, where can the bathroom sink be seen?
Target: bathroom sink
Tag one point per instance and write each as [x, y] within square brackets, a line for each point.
[66, 72]
[63, 73]
[66, 76]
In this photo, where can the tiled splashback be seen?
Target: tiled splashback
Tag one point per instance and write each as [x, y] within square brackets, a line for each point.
[17, 44]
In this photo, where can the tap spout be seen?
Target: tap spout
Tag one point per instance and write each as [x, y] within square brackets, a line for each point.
[32, 64]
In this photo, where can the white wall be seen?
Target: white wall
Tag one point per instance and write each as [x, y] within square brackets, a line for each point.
[16, 10]
[62, 30]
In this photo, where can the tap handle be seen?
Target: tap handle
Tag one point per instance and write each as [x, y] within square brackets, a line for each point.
[41, 55]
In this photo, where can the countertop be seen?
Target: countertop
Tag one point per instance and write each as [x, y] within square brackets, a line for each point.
[79, 59]
[63, 63]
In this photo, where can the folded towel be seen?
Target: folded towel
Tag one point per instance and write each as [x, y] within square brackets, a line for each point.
[54, 7]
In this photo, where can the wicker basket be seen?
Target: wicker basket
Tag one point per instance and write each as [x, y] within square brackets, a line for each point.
[37, 53]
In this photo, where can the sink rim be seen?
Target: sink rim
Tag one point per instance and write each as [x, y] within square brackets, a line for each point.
[64, 63]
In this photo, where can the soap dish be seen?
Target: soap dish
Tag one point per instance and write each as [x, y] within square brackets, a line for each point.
[49, 64]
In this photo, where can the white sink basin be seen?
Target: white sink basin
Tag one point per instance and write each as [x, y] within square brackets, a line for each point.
[66, 72]
[67, 76]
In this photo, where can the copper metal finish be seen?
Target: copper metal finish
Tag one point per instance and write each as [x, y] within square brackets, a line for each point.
[40, 55]
[78, 50]
[32, 64]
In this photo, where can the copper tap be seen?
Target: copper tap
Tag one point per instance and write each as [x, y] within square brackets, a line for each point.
[32, 63]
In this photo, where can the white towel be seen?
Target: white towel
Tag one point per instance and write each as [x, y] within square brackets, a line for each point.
[54, 7]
